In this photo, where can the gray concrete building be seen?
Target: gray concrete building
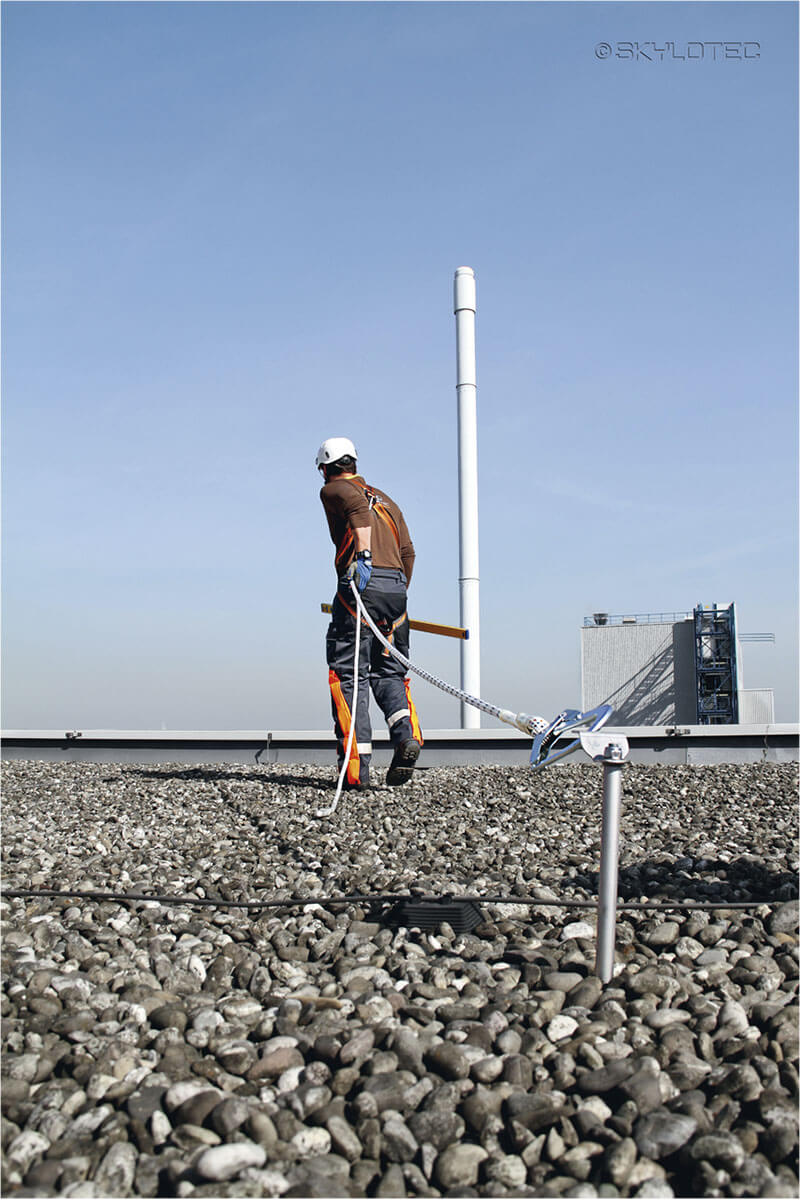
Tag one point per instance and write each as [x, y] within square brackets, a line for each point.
[670, 669]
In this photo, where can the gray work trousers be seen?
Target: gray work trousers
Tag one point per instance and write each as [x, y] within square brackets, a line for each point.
[385, 600]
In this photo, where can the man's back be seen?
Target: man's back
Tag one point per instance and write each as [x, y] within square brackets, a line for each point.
[350, 503]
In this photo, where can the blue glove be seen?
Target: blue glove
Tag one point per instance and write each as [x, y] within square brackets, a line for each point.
[360, 570]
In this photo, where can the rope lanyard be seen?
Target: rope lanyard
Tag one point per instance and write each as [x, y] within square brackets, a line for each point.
[545, 733]
[328, 812]
[521, 721]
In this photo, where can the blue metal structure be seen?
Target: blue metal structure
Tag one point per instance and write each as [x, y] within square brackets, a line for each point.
[715, 664]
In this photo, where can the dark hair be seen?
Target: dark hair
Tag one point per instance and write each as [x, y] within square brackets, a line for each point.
[343, 466]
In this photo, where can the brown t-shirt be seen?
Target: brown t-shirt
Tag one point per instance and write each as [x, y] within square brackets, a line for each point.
[350, 504]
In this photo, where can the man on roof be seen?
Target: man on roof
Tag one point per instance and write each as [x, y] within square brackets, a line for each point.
[374, 550]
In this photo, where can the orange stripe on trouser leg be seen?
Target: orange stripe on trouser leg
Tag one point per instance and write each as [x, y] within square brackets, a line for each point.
[343, 718]
[416, 731]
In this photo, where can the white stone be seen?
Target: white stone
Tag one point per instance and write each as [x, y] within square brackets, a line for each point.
[207, 1019]
[473, 1054]
[312, 1141]
[52, 1125]
[184, 1090]
[688, 947]
[241, 1010]
[137, 1074]
[224, 1162]
[277, 1043]
[197, 968]
[509, 1170]
[733, 1016]
[577, 929]
[376, 1009]
[160, 1127]
[87, 1122]
[270, 1182]
[62, 983]
[116, 1172]
[512, 912]
[74, 1102]
[290, 1079]
[645, 1169]
[561, 1027]
[137, 1013]
[98, 1085]
[25, 1147]
[597, 1107]
[22, 1066]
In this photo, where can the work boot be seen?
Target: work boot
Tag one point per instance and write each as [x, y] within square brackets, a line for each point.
[401, 767]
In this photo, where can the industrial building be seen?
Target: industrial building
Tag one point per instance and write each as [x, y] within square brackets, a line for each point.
[671, 668]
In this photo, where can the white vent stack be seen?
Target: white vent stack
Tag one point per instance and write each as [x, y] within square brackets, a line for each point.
[469, 581]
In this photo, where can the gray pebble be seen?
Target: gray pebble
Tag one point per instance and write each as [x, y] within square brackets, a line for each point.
[662, 1133]
[458, 1166]
[448, 1060]
[337, 1043]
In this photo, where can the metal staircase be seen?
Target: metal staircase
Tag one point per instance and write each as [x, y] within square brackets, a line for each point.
[715, 664]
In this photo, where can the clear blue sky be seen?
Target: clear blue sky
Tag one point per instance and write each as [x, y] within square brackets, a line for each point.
[230, 231]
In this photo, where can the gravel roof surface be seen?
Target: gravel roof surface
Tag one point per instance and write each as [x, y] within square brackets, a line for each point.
[171, 1049]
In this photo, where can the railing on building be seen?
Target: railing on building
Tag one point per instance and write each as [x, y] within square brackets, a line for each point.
[635, 618]
[667, 618]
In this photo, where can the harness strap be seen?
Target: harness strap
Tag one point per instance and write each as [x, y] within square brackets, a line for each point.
[347, 608]
[347, 542]
[377, 506]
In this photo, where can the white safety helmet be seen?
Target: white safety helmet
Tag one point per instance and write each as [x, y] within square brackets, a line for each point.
[333, 449]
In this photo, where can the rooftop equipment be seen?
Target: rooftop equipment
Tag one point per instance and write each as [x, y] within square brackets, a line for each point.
[715, 661]
[671, 668]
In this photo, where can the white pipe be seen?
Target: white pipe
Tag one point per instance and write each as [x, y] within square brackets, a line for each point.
[469, 579]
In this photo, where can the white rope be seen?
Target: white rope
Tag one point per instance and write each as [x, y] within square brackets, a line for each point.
[533, 726]
[328, 812]
[529, 725]
[521, 721]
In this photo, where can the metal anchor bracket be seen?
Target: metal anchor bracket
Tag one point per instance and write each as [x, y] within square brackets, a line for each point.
[602, 747]
[543, 754]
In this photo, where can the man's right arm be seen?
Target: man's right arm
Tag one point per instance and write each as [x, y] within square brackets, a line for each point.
[350, 505]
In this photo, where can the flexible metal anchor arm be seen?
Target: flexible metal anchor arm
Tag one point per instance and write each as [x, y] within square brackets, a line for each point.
[521, 721]
[542, 755]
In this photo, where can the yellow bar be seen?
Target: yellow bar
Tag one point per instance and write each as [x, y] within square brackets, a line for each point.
[453, 631]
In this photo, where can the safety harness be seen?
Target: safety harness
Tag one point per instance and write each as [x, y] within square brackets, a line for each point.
[375, 504]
